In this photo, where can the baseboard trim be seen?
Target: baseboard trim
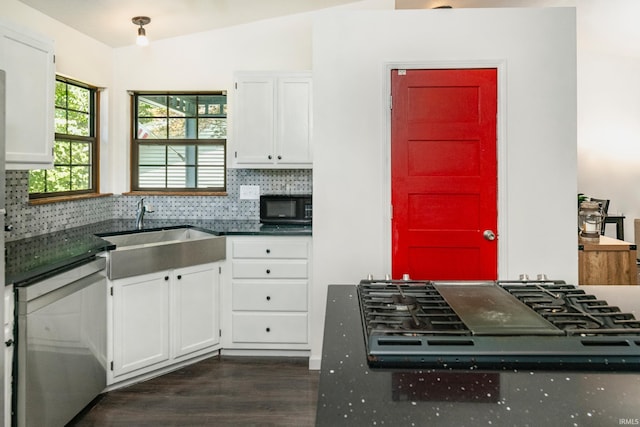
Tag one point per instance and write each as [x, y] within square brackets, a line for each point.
[314, 363]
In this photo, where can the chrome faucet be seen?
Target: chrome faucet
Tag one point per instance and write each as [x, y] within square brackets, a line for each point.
[140, 211]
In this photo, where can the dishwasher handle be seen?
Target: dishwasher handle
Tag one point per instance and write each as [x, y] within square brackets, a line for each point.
[40, 294]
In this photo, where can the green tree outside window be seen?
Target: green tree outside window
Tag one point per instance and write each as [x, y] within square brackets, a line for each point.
[75, 143]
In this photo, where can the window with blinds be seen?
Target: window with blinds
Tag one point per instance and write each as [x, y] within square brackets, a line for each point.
[179, 142]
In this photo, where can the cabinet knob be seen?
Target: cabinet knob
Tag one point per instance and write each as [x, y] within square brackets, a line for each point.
[179, 276]
[268, 251]
[166, 277]
[8, 343]
[279, 157]
[270, 157]
[268, 329]
[268, 298]
[268, 271]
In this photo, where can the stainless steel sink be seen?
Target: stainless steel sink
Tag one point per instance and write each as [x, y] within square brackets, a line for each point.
[150, 251]
[160, 237]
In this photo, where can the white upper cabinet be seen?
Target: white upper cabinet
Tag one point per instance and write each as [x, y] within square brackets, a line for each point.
[272, 120]
[28, 60]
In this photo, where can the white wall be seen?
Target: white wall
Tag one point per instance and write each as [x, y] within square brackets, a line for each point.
[77, 55]
[609, 105]
[537, 134]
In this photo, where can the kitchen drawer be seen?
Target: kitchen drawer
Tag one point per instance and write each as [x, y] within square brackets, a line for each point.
[267, 269]
[270, 297]
[271, 248]
[288, 328]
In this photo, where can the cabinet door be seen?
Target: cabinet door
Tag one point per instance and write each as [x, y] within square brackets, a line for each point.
[196, 321]
[30, 85]
[140, 322]
[293, 135]
[253, 129]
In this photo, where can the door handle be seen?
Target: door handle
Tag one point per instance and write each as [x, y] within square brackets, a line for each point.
[489, 235]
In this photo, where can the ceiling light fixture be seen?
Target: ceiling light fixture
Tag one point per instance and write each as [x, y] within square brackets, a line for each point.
[142, 39]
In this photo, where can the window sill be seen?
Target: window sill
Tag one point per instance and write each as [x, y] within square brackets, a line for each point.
[175, 193]
[58, 199]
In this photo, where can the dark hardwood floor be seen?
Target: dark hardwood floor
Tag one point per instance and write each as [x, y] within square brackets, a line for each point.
[226, 391]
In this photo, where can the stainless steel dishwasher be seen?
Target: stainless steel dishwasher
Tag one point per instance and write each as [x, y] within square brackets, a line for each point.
[61, 348]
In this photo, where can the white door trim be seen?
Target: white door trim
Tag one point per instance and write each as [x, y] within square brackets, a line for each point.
[501, 150]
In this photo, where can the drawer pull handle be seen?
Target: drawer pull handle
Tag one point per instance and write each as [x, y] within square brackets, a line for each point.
[268, 251]
[268, 298]
[268, 329]
[268, 271]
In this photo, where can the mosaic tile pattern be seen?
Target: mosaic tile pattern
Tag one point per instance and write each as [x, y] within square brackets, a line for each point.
[29, 221]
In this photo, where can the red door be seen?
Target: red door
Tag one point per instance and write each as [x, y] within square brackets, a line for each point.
[444, 174]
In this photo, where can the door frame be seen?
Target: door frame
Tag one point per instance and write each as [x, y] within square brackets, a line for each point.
[501, 150]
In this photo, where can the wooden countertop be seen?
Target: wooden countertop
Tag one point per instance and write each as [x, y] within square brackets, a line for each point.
[607, 262]
[606, 244]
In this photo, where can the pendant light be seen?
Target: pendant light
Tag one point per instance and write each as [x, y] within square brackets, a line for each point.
[142, 39]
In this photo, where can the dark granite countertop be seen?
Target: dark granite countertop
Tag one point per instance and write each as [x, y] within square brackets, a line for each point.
[352, 394]
[36, 257]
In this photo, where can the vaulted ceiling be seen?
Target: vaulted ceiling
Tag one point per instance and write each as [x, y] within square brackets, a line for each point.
[109, 21]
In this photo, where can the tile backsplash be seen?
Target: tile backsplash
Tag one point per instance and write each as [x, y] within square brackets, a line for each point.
[29, 221]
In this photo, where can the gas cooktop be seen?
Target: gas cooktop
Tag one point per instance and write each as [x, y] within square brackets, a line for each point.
[542, 324]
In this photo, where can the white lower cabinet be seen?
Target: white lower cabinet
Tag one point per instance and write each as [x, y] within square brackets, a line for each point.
[268, 293]
[161, 319]
[196, 310]
[140, 322]
[254, 302]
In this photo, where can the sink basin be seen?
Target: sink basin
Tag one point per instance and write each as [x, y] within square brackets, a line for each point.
[150, 251]
[161, 237]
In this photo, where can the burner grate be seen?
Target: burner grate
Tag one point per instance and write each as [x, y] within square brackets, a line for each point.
[534, 325]
[574, 311]
[407, 308]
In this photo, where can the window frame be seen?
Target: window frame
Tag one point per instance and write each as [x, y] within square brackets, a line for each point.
[136, 142]
[93, 139]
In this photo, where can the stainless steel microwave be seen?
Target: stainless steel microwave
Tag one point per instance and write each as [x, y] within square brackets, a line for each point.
[286, 209]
